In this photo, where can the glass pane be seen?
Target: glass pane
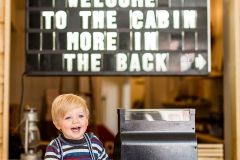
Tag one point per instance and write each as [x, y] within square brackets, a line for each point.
[46, 3]
[202, 41]
[34, 3]
[176, 3]
[163, 3]
[124, 41]
[56, 62]
[158, 115]
[51, 62]
[60, 3]
[62, 41]
[195, 3]
[187, 61]
[33, 41]
[164, 41]
[202, 19]
[176, 41]
[189, 40]
[45, 62]
[47, 41]
[174, 61]
[110, 62]
[122, 19]
[75, 21]
[34, 19]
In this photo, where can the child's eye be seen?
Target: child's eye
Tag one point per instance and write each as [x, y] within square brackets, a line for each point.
[67, 118]
[81, 116]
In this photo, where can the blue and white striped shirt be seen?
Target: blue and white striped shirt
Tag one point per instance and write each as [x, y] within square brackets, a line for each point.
[75, 149]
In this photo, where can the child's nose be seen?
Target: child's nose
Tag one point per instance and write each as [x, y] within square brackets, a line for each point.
[76, 120]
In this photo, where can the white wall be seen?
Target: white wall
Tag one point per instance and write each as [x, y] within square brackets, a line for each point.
[111, 100]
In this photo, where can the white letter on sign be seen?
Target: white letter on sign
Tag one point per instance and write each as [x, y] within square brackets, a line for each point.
[111, 3]
[160, 64]
[97, 3]
[150, 40]
[137, 41]
[163, 19]
[121, 60]
[175, 19]
[85, 15]
[150, 20]
[112, 41]
[98, 20]
[134, 63]
[82, 62]
[61, 19]
[98, 41]
[72, 39]
[95, 62]
[69, 58]
[48, 15]
[85, 41]
[137, 19]
[72, 3]
[85, 4]
[111, 19]
[190, 18]
[147, 62]
[149, 3]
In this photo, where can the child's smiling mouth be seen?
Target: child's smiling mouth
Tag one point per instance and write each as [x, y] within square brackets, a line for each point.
[75, 129]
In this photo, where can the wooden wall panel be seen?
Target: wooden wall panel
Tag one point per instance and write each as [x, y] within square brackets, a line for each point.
[1, 67]
[1, 129]
[1, 100]
[1, 11]
[6, 37]
[1, 64]
[231, 79]
[1, 38]
[1, 151]
[1, 139]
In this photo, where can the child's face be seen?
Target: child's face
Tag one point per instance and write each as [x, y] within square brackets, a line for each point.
[73, 124]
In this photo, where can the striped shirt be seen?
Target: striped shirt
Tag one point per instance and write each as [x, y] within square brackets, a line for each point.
[75, 149]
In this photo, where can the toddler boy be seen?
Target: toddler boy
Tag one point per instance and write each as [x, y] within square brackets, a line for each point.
[70, 116]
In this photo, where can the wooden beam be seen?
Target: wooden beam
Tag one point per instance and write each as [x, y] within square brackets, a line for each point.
[2, 11]
[1, 129]
[1, 103]
[237, 75]
[231, 79]
[6, 104]
[1, 38]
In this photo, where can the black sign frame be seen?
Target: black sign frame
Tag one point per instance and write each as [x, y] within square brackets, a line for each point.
[46, 48]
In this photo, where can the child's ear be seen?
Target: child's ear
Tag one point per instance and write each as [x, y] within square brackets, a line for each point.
[56, 124]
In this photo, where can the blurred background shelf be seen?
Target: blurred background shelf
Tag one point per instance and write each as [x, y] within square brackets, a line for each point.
[207, 138]
[183, 104]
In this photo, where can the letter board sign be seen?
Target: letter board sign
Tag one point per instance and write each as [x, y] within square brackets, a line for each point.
[118, 37]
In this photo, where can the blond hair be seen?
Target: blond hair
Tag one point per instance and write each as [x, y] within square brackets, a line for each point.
[66, 102]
